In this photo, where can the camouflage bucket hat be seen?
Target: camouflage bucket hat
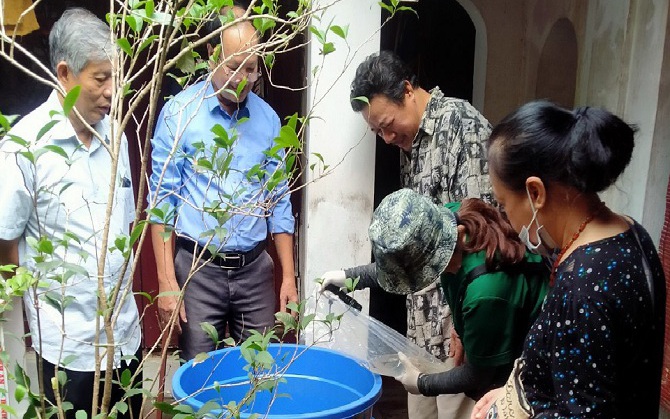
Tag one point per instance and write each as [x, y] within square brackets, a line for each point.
[412, 240]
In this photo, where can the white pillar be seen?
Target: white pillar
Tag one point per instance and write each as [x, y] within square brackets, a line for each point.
[337, 207]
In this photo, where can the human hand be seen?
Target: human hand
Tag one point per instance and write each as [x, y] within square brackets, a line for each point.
[288, 293]
[456, 351]
[410, 376]
[335, 278]
[167, 304]
[482, 406]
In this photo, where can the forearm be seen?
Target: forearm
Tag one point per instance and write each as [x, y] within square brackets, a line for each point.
[284, 247]
[367, 275]
[164, 256]
[462, 379]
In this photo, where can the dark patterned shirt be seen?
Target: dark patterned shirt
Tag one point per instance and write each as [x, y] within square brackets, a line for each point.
[596, 349]
[447, 163]
[448, 158]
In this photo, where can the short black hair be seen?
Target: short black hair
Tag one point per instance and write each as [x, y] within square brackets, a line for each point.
[587, 148]
[383, 73]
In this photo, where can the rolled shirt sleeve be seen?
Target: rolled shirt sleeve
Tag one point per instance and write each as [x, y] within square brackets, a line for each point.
[16, 194]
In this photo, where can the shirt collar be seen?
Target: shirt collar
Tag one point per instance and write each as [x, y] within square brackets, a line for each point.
[214, 106]
[428, 122]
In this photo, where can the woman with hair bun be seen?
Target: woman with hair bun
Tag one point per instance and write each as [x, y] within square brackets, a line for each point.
[596, 348]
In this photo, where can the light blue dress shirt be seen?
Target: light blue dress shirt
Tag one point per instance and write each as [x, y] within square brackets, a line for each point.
[177, 179]
[60, 198]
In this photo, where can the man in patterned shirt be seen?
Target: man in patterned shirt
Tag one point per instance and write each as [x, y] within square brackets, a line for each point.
[443, 157]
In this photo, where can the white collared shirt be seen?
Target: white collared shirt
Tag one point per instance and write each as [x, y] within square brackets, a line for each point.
[58, 198]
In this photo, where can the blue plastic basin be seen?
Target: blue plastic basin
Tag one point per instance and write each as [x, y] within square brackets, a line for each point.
[319, 383]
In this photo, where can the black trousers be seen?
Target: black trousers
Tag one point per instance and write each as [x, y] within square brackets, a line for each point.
[78, 388]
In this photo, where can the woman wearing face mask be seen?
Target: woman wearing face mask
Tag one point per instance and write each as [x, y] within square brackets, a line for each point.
[596, 348]
[493, 286]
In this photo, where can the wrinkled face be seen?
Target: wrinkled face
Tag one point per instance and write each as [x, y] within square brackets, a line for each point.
[397, 124]
[95, 96]
[236, 63]
[515, 204]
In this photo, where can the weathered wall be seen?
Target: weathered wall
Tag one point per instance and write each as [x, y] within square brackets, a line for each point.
[337, 208]
[622, 68]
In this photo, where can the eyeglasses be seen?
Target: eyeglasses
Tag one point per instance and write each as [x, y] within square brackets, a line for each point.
[238, 74]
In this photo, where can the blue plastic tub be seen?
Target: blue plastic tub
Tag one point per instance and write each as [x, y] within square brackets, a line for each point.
[319, 383]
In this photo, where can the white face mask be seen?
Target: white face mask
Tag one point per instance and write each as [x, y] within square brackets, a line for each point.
[545, 244]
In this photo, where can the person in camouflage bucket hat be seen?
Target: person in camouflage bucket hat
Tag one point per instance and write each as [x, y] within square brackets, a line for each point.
[412, 241]
[494, 286]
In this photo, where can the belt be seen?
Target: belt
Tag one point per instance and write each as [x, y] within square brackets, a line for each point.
[226, 260]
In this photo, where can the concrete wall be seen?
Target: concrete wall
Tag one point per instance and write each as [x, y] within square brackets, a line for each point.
[622, 65]
[337, 208]
[622, 69]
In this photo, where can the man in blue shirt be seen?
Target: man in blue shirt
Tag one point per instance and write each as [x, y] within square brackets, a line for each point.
[221, 214]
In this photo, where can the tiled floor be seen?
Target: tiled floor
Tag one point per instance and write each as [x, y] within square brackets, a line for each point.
[393, 403]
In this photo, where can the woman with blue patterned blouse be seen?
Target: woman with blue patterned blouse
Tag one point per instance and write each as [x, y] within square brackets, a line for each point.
[596, 349]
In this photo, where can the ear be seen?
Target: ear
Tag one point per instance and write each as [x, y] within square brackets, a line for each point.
[461, 235]
[409, 89]
[537, 191]
[63, 73]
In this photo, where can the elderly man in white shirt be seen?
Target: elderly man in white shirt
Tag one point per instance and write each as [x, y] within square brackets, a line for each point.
[63, 200]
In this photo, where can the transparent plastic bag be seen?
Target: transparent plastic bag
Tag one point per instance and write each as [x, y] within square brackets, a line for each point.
[368, 339]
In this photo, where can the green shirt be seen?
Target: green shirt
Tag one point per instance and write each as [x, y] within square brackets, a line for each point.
[493, 314]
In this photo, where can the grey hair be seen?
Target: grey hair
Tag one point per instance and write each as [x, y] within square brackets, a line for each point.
[78, 37]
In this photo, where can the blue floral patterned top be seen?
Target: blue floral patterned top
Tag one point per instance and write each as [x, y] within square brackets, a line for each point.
[596, 349]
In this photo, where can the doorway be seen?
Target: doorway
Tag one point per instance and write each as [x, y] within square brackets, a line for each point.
[438, 43]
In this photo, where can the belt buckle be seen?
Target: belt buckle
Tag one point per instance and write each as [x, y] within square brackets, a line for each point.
[225, 257]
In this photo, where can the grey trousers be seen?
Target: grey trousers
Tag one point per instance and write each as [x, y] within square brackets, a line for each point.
[239, 300]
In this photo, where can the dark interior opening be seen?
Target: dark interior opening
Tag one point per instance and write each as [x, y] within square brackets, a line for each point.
[438, 42]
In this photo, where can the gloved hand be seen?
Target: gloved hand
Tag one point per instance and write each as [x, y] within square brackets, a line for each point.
[336, 278]
[410, 376]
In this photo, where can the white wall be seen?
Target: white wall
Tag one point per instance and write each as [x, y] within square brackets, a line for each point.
[622, 71]
[337, 207]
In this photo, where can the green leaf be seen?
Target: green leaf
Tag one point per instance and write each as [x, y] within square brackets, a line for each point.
[126, 376]
[201, 357]
[135, 21]
[70, 99]
[269, 60]
[291, 305]
[20, 393]
[362, 99]
[305, 321]
[68, 359]
[321, 36]
[137, 231]
[146, 43]
[149, 8]
[125, 46]
[340, 31]
[186, 62]
[150, 299]
[45, 246]
[45, 129]
[401, 8]
[385, 7]
[81, 414]
[210, 330]
[287, 137]
[8, 409]
[287, 320]
[265, 359]
[120, 243]
[56, 149]
[328, 47]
